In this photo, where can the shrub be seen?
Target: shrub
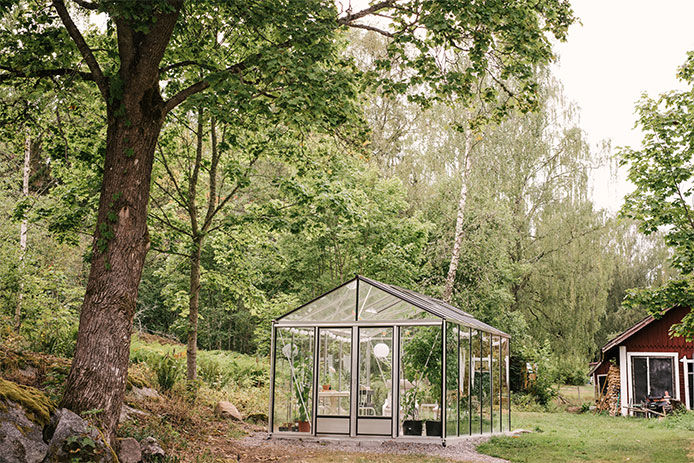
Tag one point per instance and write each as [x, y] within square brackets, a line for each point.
[211, 371]
[571, 371]
[168, 371]
[542, 389]
[54, 332]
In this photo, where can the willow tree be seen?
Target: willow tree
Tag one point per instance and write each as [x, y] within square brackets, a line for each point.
[154, 55]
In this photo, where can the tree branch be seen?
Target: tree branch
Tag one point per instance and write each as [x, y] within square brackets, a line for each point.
[181, 96]
[181, 64]
[82, 46]
[346, 20]
[371, 28]
[87, 5]
[172, 177]
[201, 85]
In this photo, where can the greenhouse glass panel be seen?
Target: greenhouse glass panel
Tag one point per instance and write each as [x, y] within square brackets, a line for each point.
[464, 381]
[376, 304]
[334, 371]
[486, 382]
[420, 381]
[505, 397]
[452, 388]
[293, 379]
[476, 384]
[496, 384]
[375, 371]
[336, 306]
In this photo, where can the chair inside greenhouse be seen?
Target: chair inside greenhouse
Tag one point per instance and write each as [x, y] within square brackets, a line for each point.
[374, 360]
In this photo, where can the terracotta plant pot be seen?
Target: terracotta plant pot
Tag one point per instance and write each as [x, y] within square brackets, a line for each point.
[326, 387]
[304, 426]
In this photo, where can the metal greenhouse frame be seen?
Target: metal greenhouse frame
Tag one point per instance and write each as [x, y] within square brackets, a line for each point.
[370, 360]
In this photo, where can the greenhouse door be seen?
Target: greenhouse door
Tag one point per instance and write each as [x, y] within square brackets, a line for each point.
[334, 380]
[375, 382]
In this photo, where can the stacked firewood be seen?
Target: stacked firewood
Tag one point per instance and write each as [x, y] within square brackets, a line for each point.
[609, 397]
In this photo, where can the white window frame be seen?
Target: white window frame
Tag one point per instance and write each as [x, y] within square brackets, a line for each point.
[686, 365]
[675, 364]
[597, 383]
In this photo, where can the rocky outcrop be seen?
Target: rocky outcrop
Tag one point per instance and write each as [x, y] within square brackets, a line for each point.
[30, 432]
[128, 413]
[151, 451]
[129, 451]
[69, 436]
[141, 393]
[21, 440]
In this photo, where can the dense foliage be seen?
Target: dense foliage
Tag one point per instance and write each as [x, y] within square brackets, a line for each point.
[662, 170]
[323, 154]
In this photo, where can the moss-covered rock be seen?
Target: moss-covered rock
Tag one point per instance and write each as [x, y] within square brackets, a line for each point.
[36, 404]
[138, 377]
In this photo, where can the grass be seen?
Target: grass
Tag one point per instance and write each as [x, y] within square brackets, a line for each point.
[578, 394]
[569, 437]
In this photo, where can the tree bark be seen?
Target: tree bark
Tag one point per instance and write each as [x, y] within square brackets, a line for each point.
[458, 236]
[194, 295]
[23, 230]
[193, 310]
[135, 113]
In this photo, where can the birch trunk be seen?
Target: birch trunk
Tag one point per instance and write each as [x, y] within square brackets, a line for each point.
[458, 236]
[23, 230]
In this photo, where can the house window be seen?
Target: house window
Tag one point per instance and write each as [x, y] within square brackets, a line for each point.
[602, 385]
[652, 376]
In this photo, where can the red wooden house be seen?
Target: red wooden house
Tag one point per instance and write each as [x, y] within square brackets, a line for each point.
[650, 362]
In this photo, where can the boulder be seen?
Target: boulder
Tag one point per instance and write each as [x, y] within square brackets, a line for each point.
[129, 451]
[257, 418]
[227, 410]
[141, 393]
[151, 451]
[72, 437]
[128, 413]
[21, 439]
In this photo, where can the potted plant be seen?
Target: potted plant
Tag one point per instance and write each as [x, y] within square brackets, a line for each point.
[303, 390]
[302, 380]
[411, 426]
[430, 415]
[302, 383]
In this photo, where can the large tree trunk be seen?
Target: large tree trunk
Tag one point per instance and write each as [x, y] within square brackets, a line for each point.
[458, 237]
[100, 365]
[135, 113]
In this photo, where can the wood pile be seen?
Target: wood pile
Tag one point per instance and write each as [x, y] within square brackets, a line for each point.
[609, 397]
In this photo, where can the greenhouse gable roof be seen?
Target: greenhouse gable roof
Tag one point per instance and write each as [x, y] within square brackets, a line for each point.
[346, 304]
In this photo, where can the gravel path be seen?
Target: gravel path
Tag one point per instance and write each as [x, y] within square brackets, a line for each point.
[462, 450]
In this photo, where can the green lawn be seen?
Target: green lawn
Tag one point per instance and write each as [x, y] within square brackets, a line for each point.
[567, 437]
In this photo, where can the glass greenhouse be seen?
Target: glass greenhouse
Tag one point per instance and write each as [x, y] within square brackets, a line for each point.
[370, 359]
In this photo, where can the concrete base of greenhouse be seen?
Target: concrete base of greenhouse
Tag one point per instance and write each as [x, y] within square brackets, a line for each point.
[377, 441]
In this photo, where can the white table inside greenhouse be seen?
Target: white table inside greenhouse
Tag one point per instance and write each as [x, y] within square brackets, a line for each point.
[328, 401]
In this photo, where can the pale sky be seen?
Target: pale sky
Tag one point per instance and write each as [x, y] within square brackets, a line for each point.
[621, 49]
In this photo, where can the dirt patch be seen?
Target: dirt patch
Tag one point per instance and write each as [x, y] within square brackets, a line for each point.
[256, 447]
[155, 338]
